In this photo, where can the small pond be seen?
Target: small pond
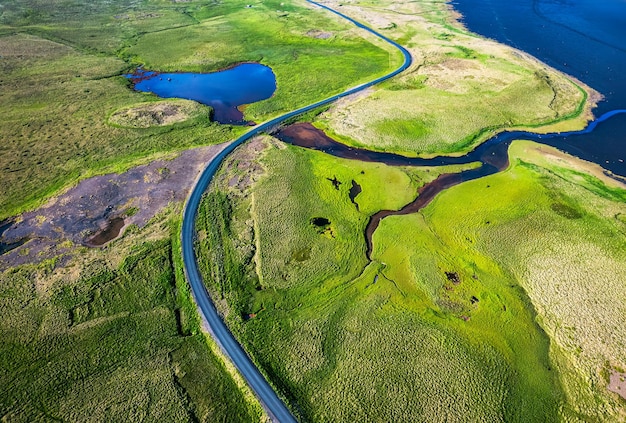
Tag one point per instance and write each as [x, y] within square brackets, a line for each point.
[225, 91]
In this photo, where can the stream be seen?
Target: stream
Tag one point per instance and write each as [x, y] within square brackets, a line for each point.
[492, 155]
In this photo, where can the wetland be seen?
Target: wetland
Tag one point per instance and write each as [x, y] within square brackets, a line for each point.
[490, 277]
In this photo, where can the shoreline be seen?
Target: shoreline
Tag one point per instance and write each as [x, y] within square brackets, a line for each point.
[594, 96]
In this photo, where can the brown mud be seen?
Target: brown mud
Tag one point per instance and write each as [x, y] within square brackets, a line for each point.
[96, 211]
[111, 231]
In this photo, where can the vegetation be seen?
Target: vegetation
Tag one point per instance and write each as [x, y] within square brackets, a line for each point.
[63, 86]
[55, 106]
[158, 114]
[305, 287]
[278, 34]
[481, 306]
[111, 339]
[485, 303]
[460, 90]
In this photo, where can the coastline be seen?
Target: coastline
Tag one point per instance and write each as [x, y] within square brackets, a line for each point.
[577, 122]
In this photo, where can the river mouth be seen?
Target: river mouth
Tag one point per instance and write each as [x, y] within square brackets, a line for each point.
[492, 154]
[582, 38]
[227, 92]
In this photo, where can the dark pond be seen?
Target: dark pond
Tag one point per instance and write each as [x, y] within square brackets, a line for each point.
[583, 38]
[225, 91]
[110, 232]
[355, 190]
[320, 222]
[5, 247]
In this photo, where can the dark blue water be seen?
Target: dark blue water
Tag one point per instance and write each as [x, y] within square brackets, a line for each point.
[225, 91]
[583, 38]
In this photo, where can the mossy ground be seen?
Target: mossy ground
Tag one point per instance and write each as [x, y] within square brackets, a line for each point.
[463, 310]
[460, 90]
[522, 327]
[62, 67]
[98, 337]
[112, 335]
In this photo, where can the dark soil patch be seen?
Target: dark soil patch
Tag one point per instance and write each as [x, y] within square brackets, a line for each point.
[453, 277]
[566, 211]
[109, 233]
[322, 225]
[102, 206]
[354, 191]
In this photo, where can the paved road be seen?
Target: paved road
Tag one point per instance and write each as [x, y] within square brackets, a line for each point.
[264, 392]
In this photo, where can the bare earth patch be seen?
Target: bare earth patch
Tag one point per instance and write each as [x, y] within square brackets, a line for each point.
[84, 214]
[617, 383]
[321, 35]
[158, 114]
[245, 166]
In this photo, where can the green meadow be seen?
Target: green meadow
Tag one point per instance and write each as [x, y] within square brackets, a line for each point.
[502, 300]
[467, 309]
[112, 335]
[460, 90]
[62, 79]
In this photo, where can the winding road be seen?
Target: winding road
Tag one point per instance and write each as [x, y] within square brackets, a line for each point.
[269, 399]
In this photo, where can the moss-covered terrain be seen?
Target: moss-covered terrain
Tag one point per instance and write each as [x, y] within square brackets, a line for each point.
[468, 307]
[112, 335]
[502, 300]
[460, 90]
[62, 79]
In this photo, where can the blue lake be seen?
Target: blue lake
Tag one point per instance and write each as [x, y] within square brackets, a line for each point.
[225, 91]
[583, 38]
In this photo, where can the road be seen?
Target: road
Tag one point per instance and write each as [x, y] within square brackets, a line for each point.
[270, 401]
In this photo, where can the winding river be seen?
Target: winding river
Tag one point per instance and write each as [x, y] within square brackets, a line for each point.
[492, 155]
[269, 399]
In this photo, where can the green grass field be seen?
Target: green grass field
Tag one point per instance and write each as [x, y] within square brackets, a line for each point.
[460, 90]
[467, 309]
[62, 65]
[112, 335]
[503, 300]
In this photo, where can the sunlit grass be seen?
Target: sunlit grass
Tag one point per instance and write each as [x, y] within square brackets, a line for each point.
[460, 90]
[62, 79]
[339, 339]
[111, 336]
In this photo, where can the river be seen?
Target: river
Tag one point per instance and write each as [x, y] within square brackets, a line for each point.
[584, 39]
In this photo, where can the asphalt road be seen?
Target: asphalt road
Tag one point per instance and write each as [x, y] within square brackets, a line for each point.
[274, 406]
